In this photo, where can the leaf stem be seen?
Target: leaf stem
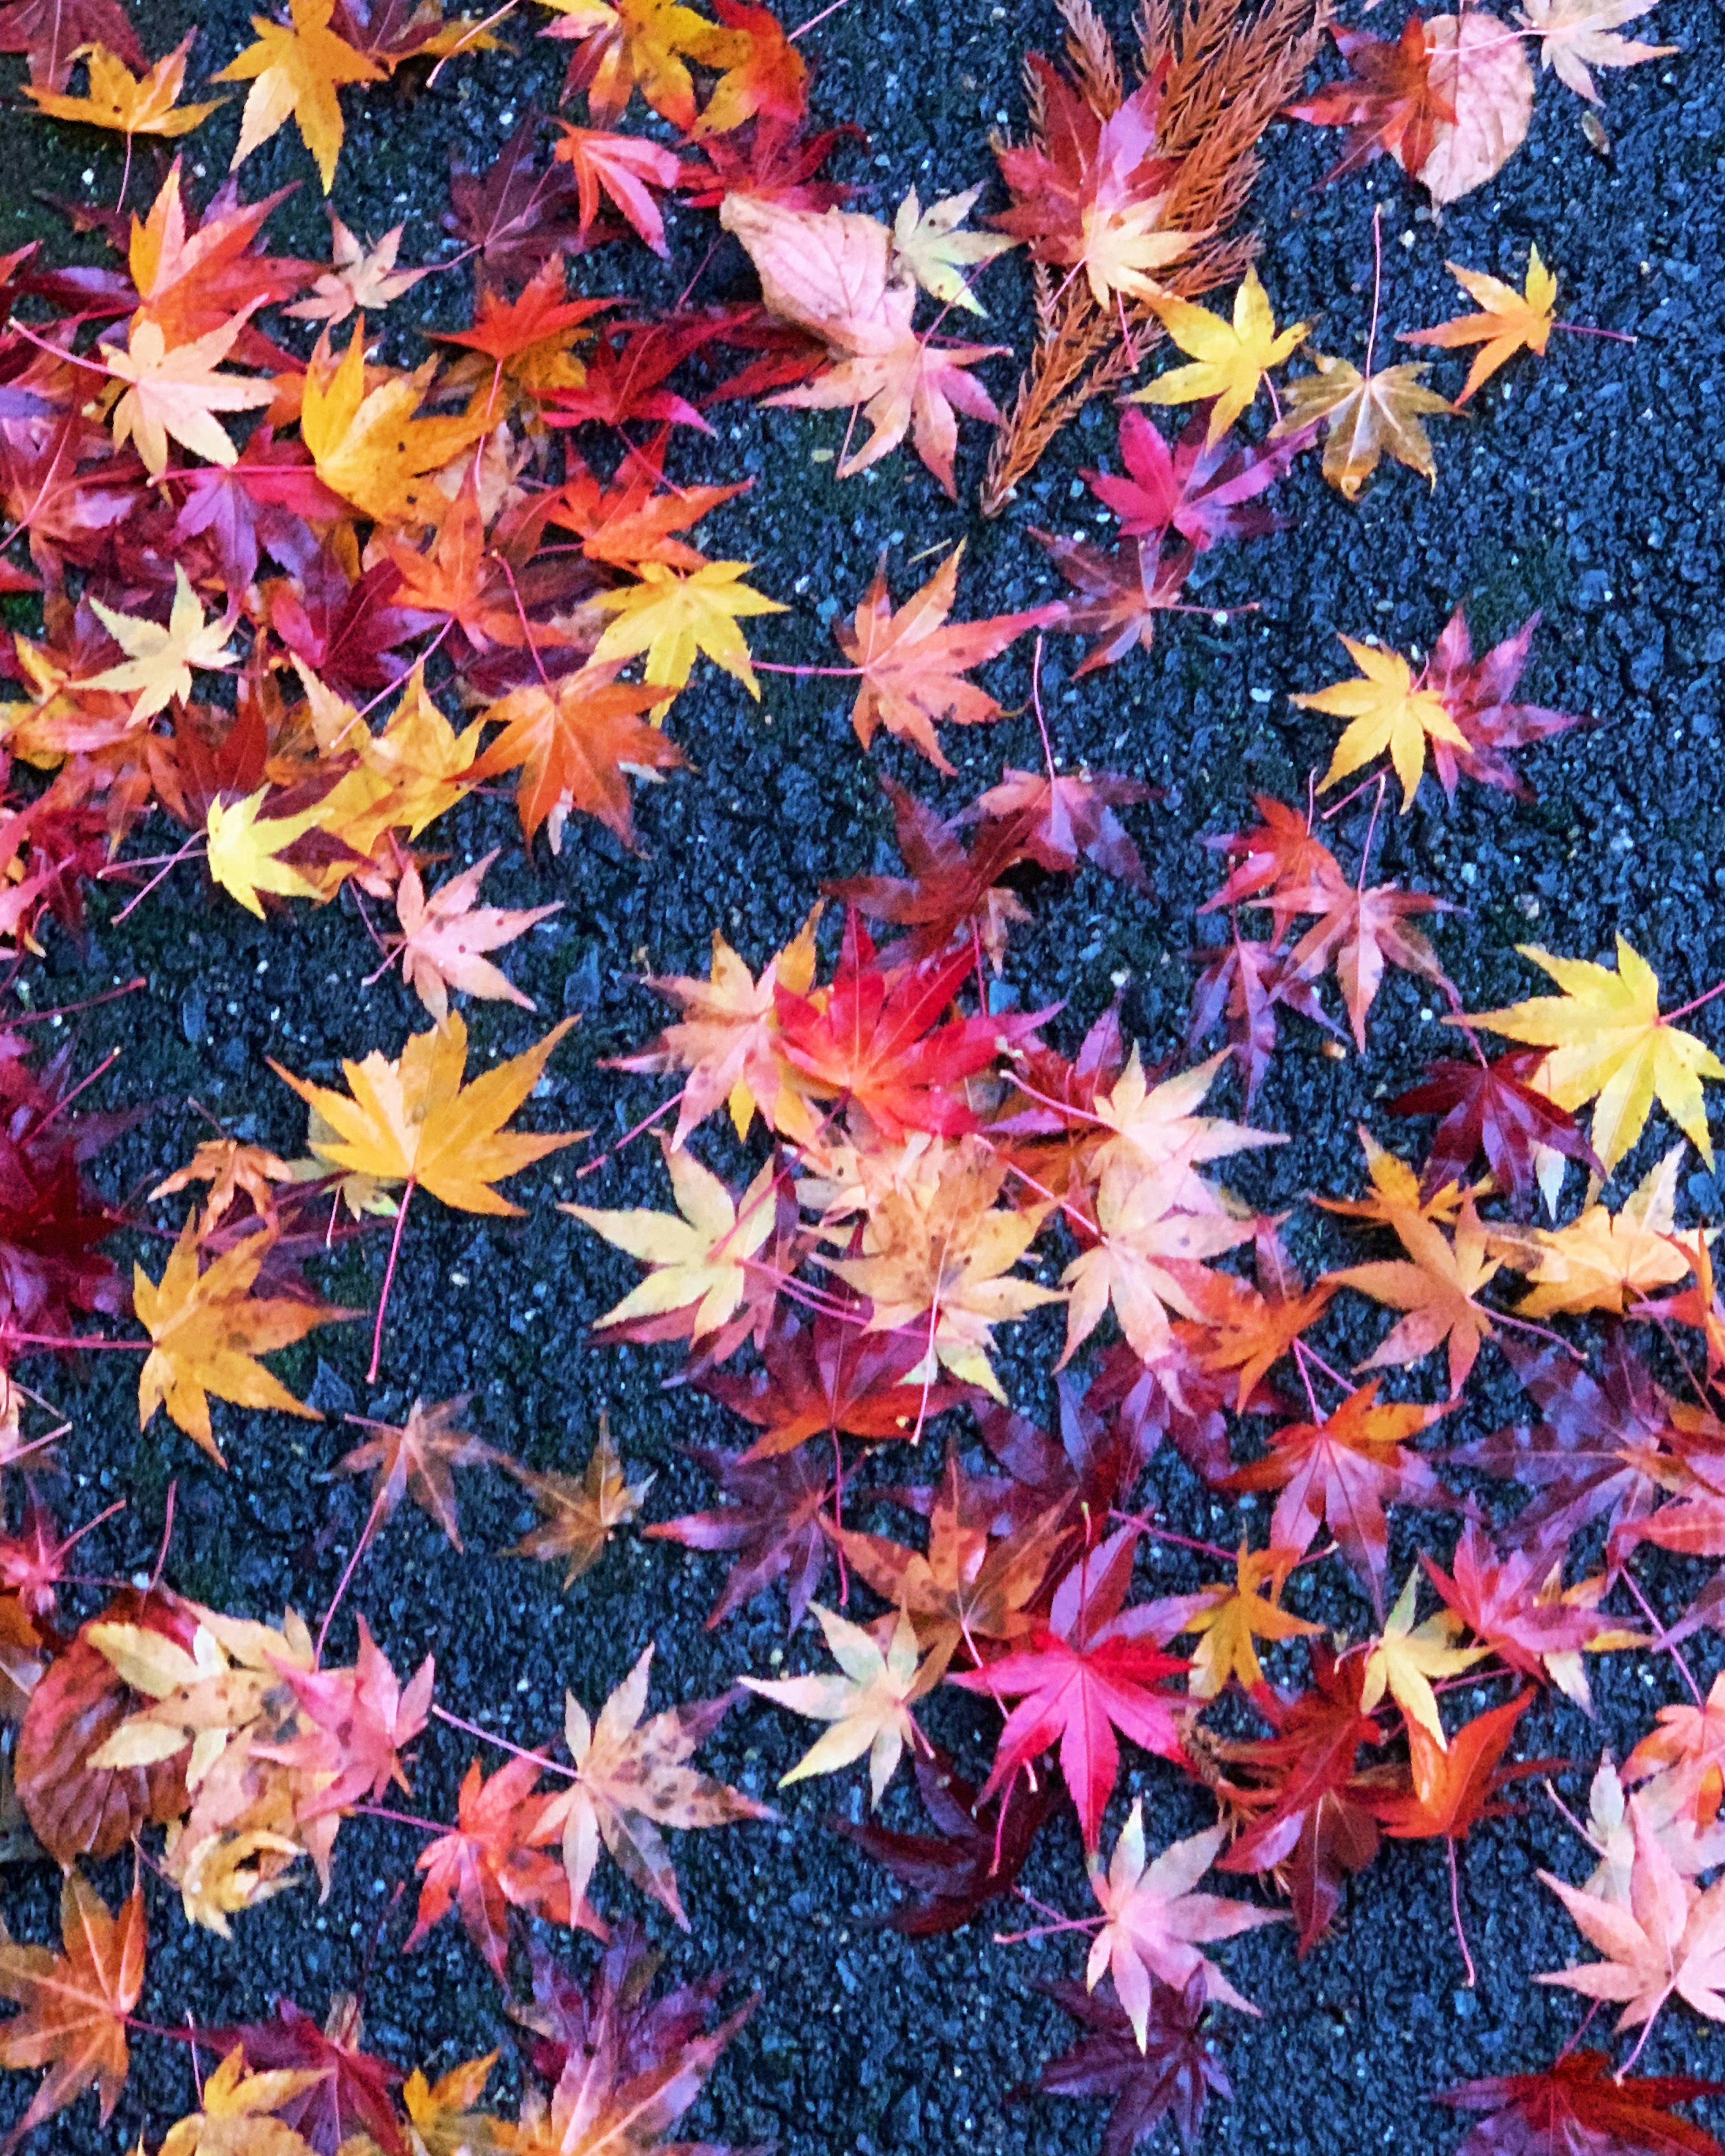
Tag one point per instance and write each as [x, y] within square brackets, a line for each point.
[1472, 1977]
[406, 1199]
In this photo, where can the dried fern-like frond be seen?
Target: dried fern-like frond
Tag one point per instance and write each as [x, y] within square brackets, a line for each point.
[1226, 70]
[1091, 52]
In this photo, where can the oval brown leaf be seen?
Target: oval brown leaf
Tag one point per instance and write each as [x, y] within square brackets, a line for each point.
[77, 1810]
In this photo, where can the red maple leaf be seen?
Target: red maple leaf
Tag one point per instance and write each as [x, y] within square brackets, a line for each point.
[772, 1522]
[831, 1378]
[1063, 818]
[1341, 1472]
[1493, 1109]
[1476, 693]
[50, 34]
[1359, 931]
[494, 1859]
[1241, 986]
[1200, 489]
[775, 161]
[1453, 1787]
[874, 1040]
[1173, 2074]
[1280, 853]
[1390, 107]
[516, 219]
[1308, 1806]
[1579, 2105]
[1092, 1668]
[950, 892]
[626, 372]
[1498, 1599]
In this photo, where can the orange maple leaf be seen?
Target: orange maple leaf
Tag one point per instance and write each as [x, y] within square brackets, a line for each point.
[913, 662]
[572, 741]
[76, 2002]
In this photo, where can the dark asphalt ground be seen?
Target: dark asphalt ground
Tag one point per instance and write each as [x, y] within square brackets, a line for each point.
[1588, 487]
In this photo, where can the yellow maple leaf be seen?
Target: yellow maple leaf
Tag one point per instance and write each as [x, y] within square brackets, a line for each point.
[443, 2113]
[699, 1261]
[1365, 418]
[1603, 1261]
[365, 441]
[406, 776]
[234, 2115]
[208, 1330]
[159, 660]
[672, 618]
[1608, 1043]
[1509, 322]
[244, 848]
[1386, 710]
[414, 1121]
[1233, 1616]
[173, 392]
[1405, 1657]
[867, 1703]
[1230, 358]
[126, 103]
[294, 69]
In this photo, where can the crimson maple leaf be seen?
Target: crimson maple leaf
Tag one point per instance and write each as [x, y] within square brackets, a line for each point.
[1592, 1455]
[951, 891]
[1308, 1805]
[875, 1041]
[1500, 1601]
[1173, 2074]
[772, 1521]
[1063, 819]
[1493, 1109]
[1120, 594]
[774, 162]
[1092, 1668]
[1390, 107]
[514, 219]
[1280, 853]
[1240, 986]
[625, 373]
[1204, 491]
[975, 1858]
[1577, 2104]
[52, 34]
[352, 2092]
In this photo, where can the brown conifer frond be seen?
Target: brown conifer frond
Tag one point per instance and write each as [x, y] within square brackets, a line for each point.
[1228, 73]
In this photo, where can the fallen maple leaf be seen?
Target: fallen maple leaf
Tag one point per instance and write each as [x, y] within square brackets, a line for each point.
[1199, 489]
[929, 244]
[624, 168]
[1604, 1261]
[207, 1330]
[912, 661]
[1386, 709]
[1404, 1658]
[699, 1263]
[295, 68]
[1455, 1784]
[1493, 1109]
[159, 660]
[1669, 1937]
[367, 443]
[51, 34]
[579, 1512]
[672, 618]
[631, 1778]
[443, 937]
[1574, 34]
[1231, 359]
[358, 277]
[492, 1859]
[1390, 106]
[174, 392]
[1607, 1043]
[1120, 594]
[143, 103]
[76, 2003]
[1508, 322]
[235, 2112]
[867, 1703]
[1229, 1618]
[574, 741]
[645, 42]
[414, 1459]
[772, 1521]
[1171, 2075]
[1365, 418]
[1578, 2102]
[1154, 1924]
